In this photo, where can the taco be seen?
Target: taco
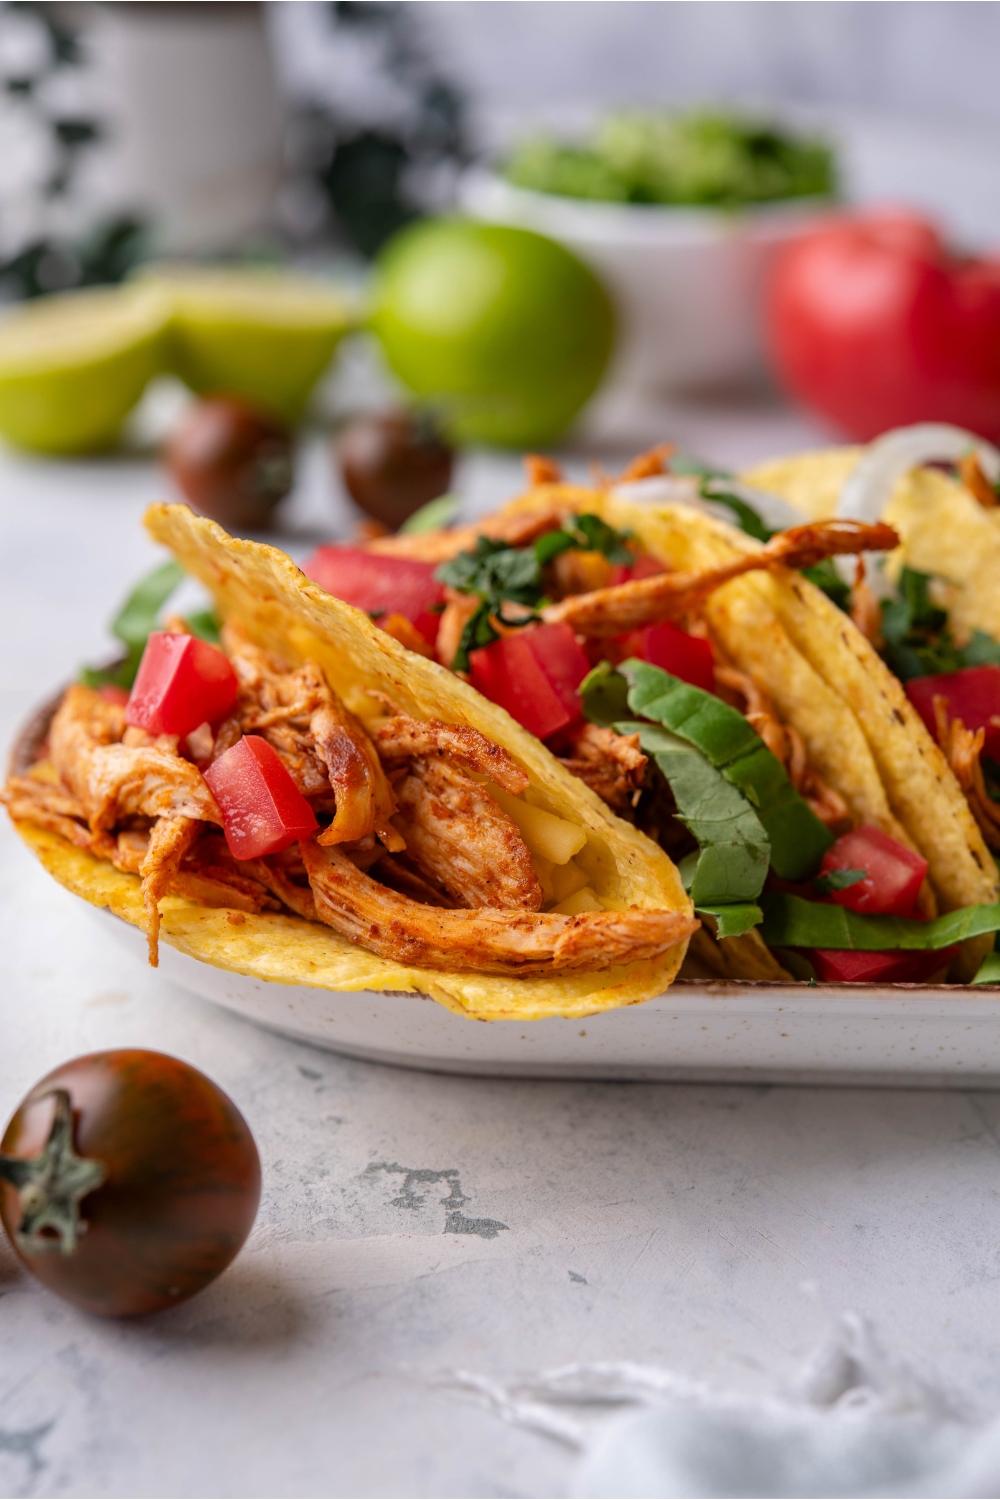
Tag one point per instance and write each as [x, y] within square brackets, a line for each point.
[937, 623]
[313, 803]
[703, 681]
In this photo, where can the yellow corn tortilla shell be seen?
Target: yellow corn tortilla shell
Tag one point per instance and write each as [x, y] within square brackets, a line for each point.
[944, 529]
[285, 613]
[860, 732]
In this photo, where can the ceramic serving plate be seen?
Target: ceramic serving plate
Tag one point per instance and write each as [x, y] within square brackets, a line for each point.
[937, 1036]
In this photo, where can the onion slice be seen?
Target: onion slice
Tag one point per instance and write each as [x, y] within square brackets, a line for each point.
[867, 490]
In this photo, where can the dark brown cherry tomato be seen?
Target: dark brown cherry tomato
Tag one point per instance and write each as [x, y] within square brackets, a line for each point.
[393, 464]
[233, 462]
[128, 1181]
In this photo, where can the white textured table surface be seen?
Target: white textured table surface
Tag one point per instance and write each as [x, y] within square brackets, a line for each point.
[413, 1223]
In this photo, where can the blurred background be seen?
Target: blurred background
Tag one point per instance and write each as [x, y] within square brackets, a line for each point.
[373, 167]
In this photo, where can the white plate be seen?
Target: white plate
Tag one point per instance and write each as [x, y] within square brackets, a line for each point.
[933, 1037]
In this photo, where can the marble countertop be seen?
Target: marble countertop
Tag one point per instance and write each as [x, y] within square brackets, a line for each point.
[716, 1231]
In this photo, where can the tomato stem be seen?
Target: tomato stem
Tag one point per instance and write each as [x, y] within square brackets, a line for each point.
[51, 1186]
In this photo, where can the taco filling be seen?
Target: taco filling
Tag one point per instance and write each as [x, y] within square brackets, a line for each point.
[599, 729]
[703, 684]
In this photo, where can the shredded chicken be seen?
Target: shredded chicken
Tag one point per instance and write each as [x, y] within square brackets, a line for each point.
[648, 464]
[406, 633]
[611, 764]
[458, 611]
[866, 612]
[462, 841]
[401, 738]
[962, 749]
[669, 596]
[113, 781]
[488, 941]
[785, 744]
[539, 470]
[438, 546]
[29, 800]
[971, 474]
[169, 841]
[319, 740]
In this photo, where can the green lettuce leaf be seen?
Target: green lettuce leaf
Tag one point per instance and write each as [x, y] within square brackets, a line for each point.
[734, 920]
[797, 837]
[734, 852]
[791, 922]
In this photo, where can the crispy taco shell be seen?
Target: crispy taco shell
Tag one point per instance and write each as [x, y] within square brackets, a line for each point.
[945, 531]
[860, 732]
[283, 612]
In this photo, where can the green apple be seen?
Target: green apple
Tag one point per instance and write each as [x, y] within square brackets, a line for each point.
[72, 366]
[265, 335]
[505, 332]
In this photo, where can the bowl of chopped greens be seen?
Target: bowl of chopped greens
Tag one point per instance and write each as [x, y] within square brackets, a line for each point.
[680, 214]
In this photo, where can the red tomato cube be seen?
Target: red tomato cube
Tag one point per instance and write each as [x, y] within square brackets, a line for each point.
[895, 873]
[533, 674]
[842, 966]
[181, 682]
[262, 809]
[380, 585]
[972, 695]
[644, 566]
[667, 646]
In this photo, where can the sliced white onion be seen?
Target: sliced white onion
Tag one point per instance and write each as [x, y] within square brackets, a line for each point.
[867, 490]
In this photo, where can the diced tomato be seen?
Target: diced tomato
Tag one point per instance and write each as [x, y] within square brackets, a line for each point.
[686, 656]
[972, 695]
[111, 693]
[843, 966]
[895, 873]
[533, 674]
[379, 584]
[262, 809]
[644, 566]
[181, 682]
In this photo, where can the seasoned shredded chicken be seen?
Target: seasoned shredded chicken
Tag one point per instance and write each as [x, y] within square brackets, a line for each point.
[962, 749]
[320, 742]
[785, 743]
[462, 841]
[611, 764]
[113, 781]
[488, 941]
[401, 738]
[669, 596]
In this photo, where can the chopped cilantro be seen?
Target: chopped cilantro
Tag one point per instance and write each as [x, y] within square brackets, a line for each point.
[502, 574]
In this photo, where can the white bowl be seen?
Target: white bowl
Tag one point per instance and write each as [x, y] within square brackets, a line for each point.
[687, 282]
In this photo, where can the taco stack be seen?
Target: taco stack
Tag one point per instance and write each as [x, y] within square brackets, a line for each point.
[529, 767]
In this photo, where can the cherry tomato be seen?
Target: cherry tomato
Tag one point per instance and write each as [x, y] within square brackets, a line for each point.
[534, 674]
[393, 464]
[262, 809]
[873, 323]
[128, 1181]
[894, 874]
[233, 462]
[381, 585]
[181, 682]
